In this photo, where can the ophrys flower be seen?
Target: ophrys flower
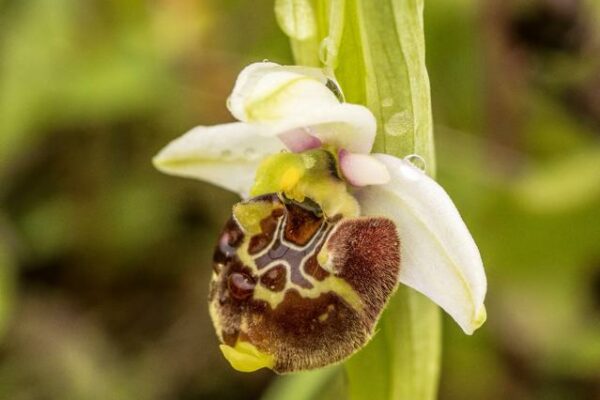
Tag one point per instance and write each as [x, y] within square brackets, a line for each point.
[306, 264]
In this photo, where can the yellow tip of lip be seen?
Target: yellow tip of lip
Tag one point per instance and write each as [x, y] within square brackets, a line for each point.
[479, 319]
[245, 357]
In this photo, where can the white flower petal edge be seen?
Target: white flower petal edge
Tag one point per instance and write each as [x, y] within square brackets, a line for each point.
[438, 255]
[283, 98]
[247, 81]
[225, 155]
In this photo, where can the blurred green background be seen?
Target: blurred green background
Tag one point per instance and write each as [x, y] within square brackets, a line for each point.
[104, 262]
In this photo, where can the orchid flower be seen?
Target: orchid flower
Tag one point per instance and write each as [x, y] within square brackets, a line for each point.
[325, 230]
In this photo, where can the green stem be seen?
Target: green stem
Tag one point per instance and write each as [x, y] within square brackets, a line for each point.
[377, 52]
[381, 64]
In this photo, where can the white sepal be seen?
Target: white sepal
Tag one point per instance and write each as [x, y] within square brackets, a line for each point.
[438, 255]
[225, 155]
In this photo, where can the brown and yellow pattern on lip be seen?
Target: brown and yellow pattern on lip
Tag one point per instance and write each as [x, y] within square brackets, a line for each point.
[297, 288]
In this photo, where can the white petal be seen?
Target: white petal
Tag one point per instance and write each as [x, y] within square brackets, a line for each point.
[348, 126]
[438, 255]
[225, 155]
[363, 169]
[259, 80]
[284, 99]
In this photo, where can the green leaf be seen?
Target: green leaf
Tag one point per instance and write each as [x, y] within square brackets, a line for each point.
[297, 19]
[382, 65]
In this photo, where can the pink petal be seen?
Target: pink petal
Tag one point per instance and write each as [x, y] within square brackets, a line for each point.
[362, 169]
[299, 140]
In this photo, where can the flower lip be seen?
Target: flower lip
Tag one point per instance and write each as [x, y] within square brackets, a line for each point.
[311, 292]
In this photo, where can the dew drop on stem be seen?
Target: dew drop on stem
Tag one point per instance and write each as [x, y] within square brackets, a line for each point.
[325, 50]
[417, 161]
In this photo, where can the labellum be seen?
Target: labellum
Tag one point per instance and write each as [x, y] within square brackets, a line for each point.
[296, 289]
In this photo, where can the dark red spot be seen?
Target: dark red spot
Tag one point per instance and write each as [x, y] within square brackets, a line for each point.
[267, 226]
[234, 233]
[274, 279]
[258, 243]
[278, 212]
[312, 268]
[240, 285]
[301, 224]
[231, 238]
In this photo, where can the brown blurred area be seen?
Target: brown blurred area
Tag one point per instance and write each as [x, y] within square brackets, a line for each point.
[104, 262]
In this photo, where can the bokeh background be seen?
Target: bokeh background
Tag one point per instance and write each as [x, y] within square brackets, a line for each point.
[104, 262]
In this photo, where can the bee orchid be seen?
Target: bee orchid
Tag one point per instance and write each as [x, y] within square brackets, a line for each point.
[325, 230]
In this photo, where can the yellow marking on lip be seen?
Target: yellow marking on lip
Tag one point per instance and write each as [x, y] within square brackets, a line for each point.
[245, 257]
[245, 357]
[324, 260]
[329, 284]
[249, 215]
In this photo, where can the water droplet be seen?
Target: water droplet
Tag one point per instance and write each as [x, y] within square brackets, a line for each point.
[387, 102]
[266, 60]
[326, 50]
[336, 89]
[417, 161]
[399, 124]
